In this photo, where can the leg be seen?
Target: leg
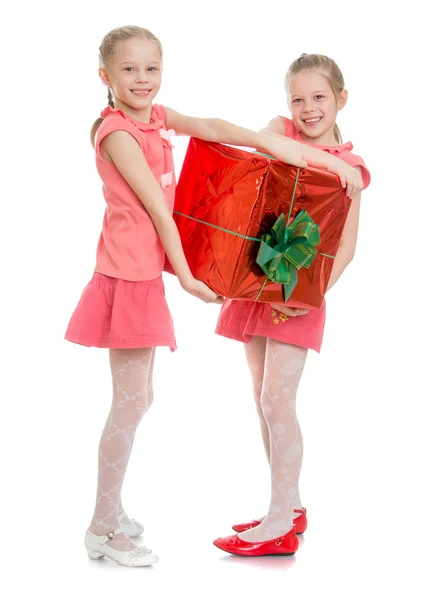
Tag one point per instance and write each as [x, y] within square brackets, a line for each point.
[255, 355]
[149, 401]
[283, 369]
[130, 376]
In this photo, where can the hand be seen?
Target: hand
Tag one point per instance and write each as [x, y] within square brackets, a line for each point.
[203, 292]
[285, 149]
[289, 311]
[350, 178]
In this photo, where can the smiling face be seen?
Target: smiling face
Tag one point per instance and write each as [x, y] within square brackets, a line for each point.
[134, 75]
[314, 106]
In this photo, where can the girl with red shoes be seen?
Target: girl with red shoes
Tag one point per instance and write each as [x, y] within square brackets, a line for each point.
[277, 338]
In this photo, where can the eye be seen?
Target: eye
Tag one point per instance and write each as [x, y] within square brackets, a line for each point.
[296, 100]
[129, 69]
[319, 96]
[152, 68]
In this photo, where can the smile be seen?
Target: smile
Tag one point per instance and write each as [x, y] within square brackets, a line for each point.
[141, 93]
[312, 121]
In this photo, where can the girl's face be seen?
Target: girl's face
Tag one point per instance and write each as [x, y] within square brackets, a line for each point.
[314, 106]
[134, 73]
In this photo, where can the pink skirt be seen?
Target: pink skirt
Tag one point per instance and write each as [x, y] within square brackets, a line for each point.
[115, 313]
[243, 319]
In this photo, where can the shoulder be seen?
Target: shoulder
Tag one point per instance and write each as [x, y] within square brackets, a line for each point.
[158, 113]
[289, 127]
[283, 126]
[275, 125]
[116, 121]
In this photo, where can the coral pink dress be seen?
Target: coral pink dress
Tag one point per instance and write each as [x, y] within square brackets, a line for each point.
[123, 306]
[243, 319]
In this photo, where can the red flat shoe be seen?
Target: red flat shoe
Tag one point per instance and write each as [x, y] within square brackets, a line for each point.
[282, 546]
[300, 522]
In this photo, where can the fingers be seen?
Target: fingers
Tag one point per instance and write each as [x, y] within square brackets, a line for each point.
[211, 298]
[279, 307]
[299, 312]
[289, 311]
[354, 183]
[354, 188]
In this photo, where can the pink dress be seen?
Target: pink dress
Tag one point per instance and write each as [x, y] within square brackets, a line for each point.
[123, 306]
[243, 319]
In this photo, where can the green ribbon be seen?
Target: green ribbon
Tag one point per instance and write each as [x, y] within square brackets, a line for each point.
[286, 249]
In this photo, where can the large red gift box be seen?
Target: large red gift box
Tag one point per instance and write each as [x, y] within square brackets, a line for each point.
[227, 195]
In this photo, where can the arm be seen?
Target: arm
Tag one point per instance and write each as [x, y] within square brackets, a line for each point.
[350, 178]
[219, 131]
[347, 244]
[125, 153]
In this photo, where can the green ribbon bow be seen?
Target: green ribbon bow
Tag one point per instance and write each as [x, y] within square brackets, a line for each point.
[288, 248]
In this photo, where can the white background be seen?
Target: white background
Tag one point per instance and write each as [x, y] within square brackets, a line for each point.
[198, 464]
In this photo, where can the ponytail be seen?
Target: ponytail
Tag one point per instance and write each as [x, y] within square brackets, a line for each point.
[337, 134]
[94, 129]
[98, 121]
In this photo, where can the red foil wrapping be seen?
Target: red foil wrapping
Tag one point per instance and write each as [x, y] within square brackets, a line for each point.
[245, 192]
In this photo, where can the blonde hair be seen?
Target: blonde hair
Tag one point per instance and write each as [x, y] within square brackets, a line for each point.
[327, 67]
[107, 50]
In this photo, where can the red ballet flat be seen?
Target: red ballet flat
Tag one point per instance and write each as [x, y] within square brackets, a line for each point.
[300, 522]
[282, 546]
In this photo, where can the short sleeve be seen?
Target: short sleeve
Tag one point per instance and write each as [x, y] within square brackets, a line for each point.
[289, 128]
[159, 113]
[116, 122]
[356, 161]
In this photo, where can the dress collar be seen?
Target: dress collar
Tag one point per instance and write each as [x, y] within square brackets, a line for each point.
[155, 123]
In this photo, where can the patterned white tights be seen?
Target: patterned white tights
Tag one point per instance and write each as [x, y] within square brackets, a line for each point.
[132, 396]
[276, 369]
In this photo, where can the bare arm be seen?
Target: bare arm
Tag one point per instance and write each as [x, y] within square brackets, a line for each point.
[347, 245]
[218, 130]
[125, 153]
[350, 178]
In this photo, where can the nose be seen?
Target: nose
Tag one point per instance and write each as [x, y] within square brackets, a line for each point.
[142, 77]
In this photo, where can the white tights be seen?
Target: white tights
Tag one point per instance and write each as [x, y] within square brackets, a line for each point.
[132, 396]
[276, 369]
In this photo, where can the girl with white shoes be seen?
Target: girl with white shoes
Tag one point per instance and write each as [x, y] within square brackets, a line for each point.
[123, 307]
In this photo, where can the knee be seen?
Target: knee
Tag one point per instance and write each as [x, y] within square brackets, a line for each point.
[259, 411]
[145, 402]
[147, 405]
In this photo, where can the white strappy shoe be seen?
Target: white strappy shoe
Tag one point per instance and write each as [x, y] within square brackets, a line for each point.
[134, 529]
[96, 546]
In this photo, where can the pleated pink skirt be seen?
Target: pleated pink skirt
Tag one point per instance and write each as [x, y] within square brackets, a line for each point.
[115, 313]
